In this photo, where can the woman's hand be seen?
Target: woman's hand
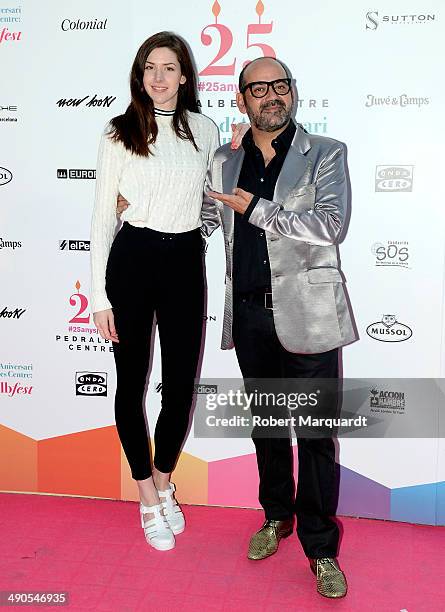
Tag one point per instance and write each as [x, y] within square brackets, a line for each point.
[104, 321]
[122, 205]
[238, 131]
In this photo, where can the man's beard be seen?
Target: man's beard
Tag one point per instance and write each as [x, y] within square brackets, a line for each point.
[270, 121]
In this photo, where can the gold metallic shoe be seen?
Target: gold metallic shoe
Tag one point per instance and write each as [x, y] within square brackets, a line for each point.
[331, 581]
[265, 542]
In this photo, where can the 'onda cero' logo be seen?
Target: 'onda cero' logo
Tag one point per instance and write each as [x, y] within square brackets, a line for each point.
[389, 330]
[91, 383]
[5, 176]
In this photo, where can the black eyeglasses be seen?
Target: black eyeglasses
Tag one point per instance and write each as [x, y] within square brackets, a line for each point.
[259, 89]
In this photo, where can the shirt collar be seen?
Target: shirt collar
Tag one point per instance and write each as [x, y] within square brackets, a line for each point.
[280, 144]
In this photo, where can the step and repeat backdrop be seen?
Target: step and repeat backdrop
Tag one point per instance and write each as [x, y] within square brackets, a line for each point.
[368, 75]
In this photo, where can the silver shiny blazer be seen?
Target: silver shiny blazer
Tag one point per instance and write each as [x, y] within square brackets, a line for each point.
[303, 224]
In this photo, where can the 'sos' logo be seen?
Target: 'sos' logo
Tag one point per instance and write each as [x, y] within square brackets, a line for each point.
[391, 255]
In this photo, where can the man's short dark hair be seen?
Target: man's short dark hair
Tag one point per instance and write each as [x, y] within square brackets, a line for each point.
[241, 82]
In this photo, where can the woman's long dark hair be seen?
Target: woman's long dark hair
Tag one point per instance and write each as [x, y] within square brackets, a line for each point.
[137, 127]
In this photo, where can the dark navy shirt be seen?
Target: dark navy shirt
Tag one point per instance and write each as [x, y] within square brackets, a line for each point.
[251, 268]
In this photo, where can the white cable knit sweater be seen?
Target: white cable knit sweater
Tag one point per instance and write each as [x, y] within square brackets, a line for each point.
[164, 190]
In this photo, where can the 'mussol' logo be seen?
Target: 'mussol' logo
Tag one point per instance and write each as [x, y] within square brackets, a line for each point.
[5, 176]
[389, 330]
[91, 383]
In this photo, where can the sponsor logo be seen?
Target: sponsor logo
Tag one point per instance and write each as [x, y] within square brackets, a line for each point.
[387, 401]
[389, 330]
[400, 101]
[199, 389]
[75, 173]
[10, 244]
[10, 15]
[88, 101]
[5, 176]
[12, 314]
[12, 390]
[92, 384]
[203, 389]
[79, 334]
[7, 113]
[94, 24]
[393, 254]
[373, 20]
[394, 178]
[74, 245]
[16, 370]
[7, 36]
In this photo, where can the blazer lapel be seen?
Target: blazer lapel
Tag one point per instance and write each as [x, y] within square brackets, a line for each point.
[295, 166]
[231, 169]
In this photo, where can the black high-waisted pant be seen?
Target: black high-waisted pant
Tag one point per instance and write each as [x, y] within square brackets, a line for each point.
[152, 272]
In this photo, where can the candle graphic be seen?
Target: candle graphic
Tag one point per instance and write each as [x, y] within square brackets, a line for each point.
[216, 9]
[259, 10]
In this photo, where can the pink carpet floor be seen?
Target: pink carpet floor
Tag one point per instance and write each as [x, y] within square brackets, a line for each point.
[95, 550]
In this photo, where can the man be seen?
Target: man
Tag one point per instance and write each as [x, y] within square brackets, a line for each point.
[285, 205]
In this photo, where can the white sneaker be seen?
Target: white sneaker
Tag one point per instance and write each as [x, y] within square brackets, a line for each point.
[172, 511]
[157, 531]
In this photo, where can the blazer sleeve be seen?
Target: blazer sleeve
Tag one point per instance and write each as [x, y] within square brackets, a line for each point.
[210, 216]
[321, 225]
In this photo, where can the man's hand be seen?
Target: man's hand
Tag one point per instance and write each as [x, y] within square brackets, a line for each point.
[239, 201]
[104, 321]
[122, 205]
[238, 131]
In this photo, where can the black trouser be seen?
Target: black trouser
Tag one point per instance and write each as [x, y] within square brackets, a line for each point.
[261, 355]
[151, 272]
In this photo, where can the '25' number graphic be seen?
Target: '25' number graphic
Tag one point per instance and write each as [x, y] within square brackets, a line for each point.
[225, 44]
[81, 302]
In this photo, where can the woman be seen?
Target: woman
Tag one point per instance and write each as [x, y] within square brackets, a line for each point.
[156, 155]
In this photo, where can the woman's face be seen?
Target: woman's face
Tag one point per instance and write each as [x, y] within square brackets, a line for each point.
[162, 77]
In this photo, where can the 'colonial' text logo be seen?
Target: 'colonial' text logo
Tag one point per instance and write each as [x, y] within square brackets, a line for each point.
[94, 24]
